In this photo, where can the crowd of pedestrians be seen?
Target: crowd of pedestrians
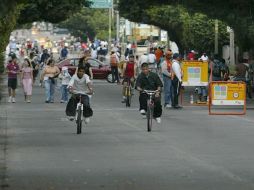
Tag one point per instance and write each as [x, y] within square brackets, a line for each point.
[158, 69]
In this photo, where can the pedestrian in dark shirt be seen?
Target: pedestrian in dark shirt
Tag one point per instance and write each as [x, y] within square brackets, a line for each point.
[12, 70]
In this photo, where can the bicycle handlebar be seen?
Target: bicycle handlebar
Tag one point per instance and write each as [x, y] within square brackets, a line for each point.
[150, 92]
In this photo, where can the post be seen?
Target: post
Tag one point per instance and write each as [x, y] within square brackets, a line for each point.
[232, 47]
[109, 28]
[216, 26]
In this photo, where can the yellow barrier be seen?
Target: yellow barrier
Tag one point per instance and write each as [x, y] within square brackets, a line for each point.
[226, 93]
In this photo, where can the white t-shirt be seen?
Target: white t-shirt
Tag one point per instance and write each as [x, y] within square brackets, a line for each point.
[79, 85]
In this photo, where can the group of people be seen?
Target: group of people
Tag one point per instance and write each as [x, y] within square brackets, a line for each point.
[139, 73]
[147, 79]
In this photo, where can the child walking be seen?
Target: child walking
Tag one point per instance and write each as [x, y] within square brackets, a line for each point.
[65, 78]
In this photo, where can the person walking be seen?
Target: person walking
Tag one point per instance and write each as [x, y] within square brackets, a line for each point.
[65, 79]
[27, 80]
[176, 77]
[166, 69]
[49, 74]
[12, 70]
[114, 60]
[87, 66]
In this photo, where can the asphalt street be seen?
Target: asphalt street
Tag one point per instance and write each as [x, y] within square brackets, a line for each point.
[190, 149]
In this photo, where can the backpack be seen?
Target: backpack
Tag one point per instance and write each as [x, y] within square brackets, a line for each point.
[216, 69]
[113, 60]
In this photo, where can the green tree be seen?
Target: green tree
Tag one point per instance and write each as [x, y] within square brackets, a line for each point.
[92, 22]
[189, 31]
[15, 12]
[237, 14]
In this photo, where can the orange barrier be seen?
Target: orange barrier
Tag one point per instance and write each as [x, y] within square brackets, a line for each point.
[227, 93]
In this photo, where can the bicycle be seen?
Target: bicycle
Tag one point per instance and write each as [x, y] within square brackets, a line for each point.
[150, 108]
[78, 116]
[79, 113]
[128, 92]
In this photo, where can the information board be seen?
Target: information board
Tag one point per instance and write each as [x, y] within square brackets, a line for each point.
[195, 73]
[228, 93]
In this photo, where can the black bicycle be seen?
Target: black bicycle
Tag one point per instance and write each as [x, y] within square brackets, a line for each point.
[150, 108]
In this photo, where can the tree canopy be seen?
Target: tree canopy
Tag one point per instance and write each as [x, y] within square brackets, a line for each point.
[92, 22]
[237, 14]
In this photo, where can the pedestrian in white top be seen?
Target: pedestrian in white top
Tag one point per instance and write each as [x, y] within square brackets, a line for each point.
[176, 79]
[152, 61]
[65, 78]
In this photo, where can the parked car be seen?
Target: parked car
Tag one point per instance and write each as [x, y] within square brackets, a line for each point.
[100, 69]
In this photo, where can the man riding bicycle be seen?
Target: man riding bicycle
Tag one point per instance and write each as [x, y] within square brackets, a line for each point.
[80, 84]
[148, 80]
[128, 74]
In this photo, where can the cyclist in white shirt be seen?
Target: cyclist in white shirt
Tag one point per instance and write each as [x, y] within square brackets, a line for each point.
[80, 84]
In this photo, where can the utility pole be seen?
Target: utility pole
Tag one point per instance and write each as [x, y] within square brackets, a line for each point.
[117, 23]
[216, 29]
[231, 45]
[109, 26]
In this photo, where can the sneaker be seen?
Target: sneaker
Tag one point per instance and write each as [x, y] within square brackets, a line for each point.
[10, 99]
[143, 112]
[62, 101]
[13, 100]
[28, 101]
[168, 106]
[71, 118]
[158, 119]
[87, 120]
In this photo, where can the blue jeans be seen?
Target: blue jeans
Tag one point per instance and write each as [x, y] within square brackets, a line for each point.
[64, 92]
[49, 90]
[167, 89]
[202, 90]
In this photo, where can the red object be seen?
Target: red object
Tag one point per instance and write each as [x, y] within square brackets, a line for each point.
[100, 70]
[83, 45]
[191, 56]
[129, 71]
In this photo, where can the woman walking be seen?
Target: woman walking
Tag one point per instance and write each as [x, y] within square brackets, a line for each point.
[27, 80]
[49, 74]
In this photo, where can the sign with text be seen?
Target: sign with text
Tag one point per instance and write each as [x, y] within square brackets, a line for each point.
[195, 73]
[228, 93]
[101, 4]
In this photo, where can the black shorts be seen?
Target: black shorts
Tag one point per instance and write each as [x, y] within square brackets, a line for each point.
[12, 83]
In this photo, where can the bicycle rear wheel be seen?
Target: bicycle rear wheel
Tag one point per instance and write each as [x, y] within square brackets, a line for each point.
[79, 120]
[149, 116]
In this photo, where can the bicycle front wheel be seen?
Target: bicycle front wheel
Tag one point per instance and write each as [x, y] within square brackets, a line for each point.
[149, 116]
[79, 120]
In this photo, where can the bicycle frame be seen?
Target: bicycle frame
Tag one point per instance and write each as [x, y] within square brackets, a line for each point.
[128, 93]
[150, 108]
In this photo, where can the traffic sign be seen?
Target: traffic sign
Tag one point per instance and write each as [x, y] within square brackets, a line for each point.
[101, 4]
